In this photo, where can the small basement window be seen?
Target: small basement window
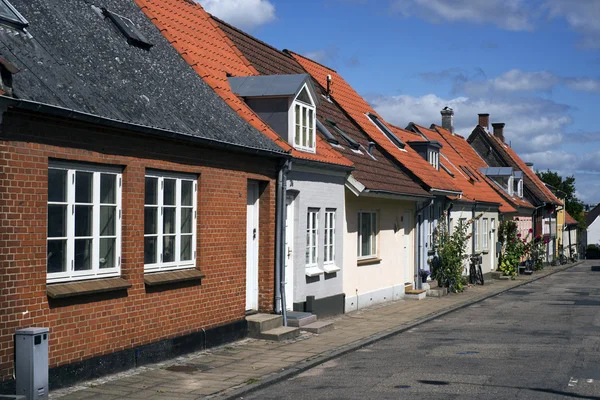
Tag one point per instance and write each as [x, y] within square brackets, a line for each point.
[10, 15]
[128, 29]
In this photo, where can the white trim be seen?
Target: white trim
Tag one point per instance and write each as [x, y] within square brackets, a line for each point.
[313, 271]
[307, 128]
[354, 185]
[485, 234]
[329, 226]
[312, 231]
[373, 232]
[70, 206]
[331, 268]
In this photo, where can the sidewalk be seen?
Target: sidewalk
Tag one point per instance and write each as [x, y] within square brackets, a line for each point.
[232, 370]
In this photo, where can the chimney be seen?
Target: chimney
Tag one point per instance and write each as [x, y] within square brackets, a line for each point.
[530, 165]
[499, 130]
[448, 119]
[484, 121]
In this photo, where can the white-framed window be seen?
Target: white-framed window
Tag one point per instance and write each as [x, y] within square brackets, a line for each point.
[312, 237]
[367, 234]
[484, 234]
[329, 237]
[304, 122]
[520, 188]
[434, 159]
[84, 222]
[170, 213]
[430, 228]
[476, 234]
[511, 186]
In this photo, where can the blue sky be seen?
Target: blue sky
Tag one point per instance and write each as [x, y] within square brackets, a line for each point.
[533, 64]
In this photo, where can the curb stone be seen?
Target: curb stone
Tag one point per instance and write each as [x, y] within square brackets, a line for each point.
[311, 362]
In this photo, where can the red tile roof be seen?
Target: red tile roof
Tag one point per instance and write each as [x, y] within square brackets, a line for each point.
[473, 189]
[199, 40]
[377, 173]
[357, 108]
[462, 147]
[570, 220]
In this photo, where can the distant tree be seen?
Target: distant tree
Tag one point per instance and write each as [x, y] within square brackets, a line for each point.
[573, 205]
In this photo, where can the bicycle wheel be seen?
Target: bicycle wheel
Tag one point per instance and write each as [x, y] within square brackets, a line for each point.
[479, 275]
[472, 274]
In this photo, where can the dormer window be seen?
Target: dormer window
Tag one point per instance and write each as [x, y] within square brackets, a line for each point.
[429, 150]
[507, 178]
[304, 122]
[434, 158]
[9, 15]
[287, 103]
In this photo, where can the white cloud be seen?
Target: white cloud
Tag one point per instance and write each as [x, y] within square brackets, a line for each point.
[532, 124]
[581, 15]
[583, 84]
[243, 14]
[507, 14]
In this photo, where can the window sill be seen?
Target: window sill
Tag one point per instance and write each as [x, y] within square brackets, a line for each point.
[331, 268]
[368, 261]
[313, 271]
[164, 278]
[81, 288]
[485, 251]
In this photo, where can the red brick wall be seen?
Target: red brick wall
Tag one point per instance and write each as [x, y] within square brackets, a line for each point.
[86, 327]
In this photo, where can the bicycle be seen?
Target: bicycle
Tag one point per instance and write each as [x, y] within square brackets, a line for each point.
[475, 272]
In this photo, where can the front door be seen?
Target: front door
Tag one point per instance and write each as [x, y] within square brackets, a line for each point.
[289, 254]
[252, 247]
[408, 271]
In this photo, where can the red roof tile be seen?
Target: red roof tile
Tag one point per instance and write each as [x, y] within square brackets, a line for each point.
[377, 173]
[570, 220]
[202, 44]
[462, 147]
[357, 108]
[473, 189]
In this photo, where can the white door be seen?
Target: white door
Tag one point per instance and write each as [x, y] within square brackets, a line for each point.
[252, 247]
[406, 264]
[289, 254]
[492, 245]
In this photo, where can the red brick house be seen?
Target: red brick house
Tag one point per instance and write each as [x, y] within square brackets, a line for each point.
[133, 199]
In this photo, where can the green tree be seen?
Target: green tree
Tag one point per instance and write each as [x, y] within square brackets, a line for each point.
[573, 205]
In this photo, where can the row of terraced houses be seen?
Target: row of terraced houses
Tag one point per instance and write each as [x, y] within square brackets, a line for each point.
[164, 174]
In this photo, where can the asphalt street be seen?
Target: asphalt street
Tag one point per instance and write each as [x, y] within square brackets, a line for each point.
[538, 341]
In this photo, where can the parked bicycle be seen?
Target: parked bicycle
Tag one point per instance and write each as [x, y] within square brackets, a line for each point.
[475, 272]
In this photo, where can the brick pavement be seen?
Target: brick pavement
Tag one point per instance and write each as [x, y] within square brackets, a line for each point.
[230, 370]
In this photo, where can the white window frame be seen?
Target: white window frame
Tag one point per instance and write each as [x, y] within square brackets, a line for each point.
[374, 232]
[430, 228]
[312, 238]
[95, 272]
[520, 188]
[159, 265]
[476, 234]
[307, 131]
[329, 237]
[485, 234]
[511, 185]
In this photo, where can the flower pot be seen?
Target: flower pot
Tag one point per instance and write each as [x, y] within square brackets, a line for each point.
[424, 279]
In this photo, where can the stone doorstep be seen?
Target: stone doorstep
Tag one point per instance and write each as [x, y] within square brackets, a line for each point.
[280, 334]
[437, 292]
[319, 327]
[260, 323]
[415, 294]
[300, 319]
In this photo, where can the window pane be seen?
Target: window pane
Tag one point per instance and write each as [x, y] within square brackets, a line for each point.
[186, 220]
[108, 220]
[365, 228]
[310, 128]
[108, 185]
[169, 220]
[150, 250]
[150, 220]
[57, 185]
[298, 111]
[83, 254]
[304, 134]
[83, 187]
[186, 248]
[168, 249]
[169, 192]
[56, 257]
[151, 195]
[83, 220]
[107, 253]
[187, 193]
[57, 220]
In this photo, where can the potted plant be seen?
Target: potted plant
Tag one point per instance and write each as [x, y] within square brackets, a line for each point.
[423, 273]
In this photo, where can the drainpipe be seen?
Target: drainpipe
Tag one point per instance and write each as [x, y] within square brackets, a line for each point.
[281, 209]
[419, 240]
[473, 210]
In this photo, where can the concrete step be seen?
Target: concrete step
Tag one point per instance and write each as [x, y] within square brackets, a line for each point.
[299, 319]
[437, 292]
[259, 323]
[280, 334]
[499, 275]
[319, 327]
[414, 294]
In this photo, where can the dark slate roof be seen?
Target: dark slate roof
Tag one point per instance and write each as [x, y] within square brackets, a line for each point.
[378, 174]
[269, 85]
[75, 58]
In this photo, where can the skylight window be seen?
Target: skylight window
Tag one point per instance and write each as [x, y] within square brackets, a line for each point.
[469, 173]
[399, 143]
[353, 143]
[129, 30]
[442, 166]
[328, 135]
[10, 15]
